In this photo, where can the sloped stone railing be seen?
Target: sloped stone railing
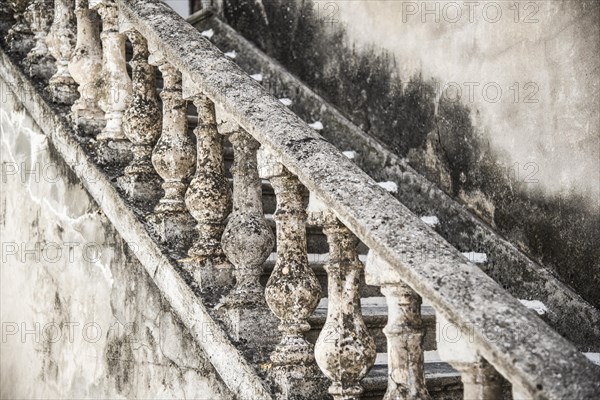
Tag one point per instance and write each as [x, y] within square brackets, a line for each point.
[407, 259]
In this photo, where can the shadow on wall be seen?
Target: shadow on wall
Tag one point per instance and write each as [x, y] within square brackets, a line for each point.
[438, 135]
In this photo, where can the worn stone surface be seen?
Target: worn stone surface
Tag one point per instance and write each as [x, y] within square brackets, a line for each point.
[404, 332]
[208, 199]
[85, 67]
[247, 242]
[293, 291]
[238, 375]
[81, 317]
[173, 156]
[480, 379]
[508, 265]
[142, 124]
[38, 62]
[19, 38]
[174, 159]
[61, 43]
[345, 351]
[453, 287]
[115, 85]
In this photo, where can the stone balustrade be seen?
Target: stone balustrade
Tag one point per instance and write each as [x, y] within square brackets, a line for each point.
[85, 67]
[345, 350]
[407, 259]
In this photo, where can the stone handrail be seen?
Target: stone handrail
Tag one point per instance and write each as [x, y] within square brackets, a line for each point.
[406, 258]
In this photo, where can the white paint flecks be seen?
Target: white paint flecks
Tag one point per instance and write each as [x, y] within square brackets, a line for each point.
[535, 305]
[350, 154]
[317, 125]
[389, 186]
[477, 258]
[431, 220]
[208, 33]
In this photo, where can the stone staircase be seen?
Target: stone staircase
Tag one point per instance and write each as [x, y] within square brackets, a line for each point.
[306, 241]
[515, 271]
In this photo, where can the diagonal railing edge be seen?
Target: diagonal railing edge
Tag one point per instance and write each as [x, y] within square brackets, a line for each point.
[239, 376]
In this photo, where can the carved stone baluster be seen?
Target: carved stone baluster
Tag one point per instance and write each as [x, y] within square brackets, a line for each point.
[61, 43]
[247, 242]
[113, 146]
[208, 199]
[85, 67]
[404, 332]
[38, 62]
[480, 379]
[293, 291]
[142, 124]
[345, 351]
[174, 159]
[174, 156]
[19, 37]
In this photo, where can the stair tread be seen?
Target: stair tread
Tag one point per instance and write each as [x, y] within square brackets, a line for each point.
[440, 374]
[316, 260]
[432, 369]
[374, 314]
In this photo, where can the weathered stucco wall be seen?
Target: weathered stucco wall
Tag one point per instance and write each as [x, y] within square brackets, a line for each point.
[80, 316]
[528, 70]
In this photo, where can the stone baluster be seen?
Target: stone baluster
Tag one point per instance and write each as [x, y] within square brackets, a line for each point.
[85, 67]
[39, 63]
[61, 43]
[404, 332]
[208, 198]
[113, 146]
[19, 37]
[142, 124]
[247, 242]
[293, 291]
[480, 379]
[345, 351]
[174, 159]
[174, 156]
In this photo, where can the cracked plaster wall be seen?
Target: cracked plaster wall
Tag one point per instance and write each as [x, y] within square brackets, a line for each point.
[80, 316]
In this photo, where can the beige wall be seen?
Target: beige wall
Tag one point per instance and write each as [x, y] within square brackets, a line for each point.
[551, 48]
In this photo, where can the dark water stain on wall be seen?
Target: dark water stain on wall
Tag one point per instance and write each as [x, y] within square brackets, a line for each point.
[561, 231]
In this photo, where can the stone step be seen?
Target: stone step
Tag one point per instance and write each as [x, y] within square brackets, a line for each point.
[443, 382]
[374, 311]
